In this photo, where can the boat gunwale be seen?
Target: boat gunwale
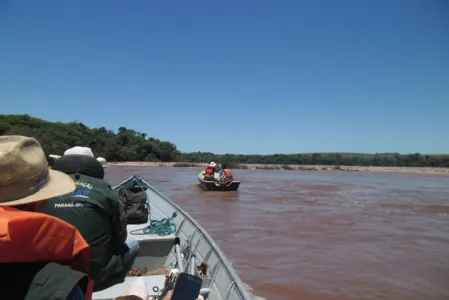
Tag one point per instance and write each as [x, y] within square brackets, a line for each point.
[225, 261]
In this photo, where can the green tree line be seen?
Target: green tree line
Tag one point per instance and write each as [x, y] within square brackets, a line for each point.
[331, 159]
[56, 137]
[130, 145]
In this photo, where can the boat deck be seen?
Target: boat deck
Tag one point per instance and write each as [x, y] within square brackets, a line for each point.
[152, 254]
[156, 252]
[154, 285]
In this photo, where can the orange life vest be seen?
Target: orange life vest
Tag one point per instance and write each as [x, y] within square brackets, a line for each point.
[229, 177]
[209, 171]
[34, 237]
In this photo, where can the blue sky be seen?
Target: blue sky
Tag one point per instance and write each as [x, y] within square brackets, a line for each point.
[236, 76]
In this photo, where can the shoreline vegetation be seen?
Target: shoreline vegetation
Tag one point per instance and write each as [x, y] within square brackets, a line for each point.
[129, 147]
[420, 170]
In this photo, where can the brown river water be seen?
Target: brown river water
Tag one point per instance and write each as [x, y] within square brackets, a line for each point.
[322, 235]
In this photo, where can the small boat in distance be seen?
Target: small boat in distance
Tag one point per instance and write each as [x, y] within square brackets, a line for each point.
[210, 185]
[172, 239]
[217, 177]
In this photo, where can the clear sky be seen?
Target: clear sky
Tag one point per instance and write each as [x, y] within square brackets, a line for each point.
[236, 76]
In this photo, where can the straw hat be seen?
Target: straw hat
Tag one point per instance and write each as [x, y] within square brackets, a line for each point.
[24, 173]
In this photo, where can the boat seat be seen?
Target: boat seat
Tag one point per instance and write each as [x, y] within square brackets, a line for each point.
[154, 285]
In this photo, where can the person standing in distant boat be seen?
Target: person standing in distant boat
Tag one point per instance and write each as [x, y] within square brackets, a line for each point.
[96, 210]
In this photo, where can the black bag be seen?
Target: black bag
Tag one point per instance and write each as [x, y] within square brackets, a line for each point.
[136, 206]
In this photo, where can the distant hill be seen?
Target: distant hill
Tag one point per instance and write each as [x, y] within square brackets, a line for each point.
[130, 145]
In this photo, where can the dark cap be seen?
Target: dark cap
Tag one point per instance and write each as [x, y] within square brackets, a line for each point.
[82, 164]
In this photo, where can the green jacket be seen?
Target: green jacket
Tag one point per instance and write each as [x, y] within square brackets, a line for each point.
[97, 212]
[40, 281]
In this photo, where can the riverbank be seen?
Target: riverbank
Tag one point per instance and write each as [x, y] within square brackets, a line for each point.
[421, 170]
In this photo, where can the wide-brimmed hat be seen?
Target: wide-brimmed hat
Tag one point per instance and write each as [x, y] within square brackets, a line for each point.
[24, 173]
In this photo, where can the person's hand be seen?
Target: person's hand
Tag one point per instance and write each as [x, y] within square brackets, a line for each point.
[168, 296]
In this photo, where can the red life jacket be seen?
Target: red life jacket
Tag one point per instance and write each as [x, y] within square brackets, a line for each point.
[35, 237]
[209, 171]
[229, 177]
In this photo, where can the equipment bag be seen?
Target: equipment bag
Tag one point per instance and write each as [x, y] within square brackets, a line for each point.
[134, 200]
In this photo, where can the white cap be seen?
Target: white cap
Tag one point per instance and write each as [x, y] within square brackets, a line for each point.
[212, 164]
[103, 162]
[79, 151]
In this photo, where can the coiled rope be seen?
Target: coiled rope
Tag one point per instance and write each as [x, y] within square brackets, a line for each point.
[163, 227]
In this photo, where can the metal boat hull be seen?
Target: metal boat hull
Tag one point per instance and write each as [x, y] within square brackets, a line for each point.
[159, 251]
[211, 186]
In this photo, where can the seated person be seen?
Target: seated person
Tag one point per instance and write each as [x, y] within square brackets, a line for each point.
[217, 172]
[212, 172]
[97, 212]
[227, 174]
[41, 257]
[208, 172]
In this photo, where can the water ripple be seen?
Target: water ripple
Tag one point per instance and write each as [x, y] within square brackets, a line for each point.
[323, 235]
